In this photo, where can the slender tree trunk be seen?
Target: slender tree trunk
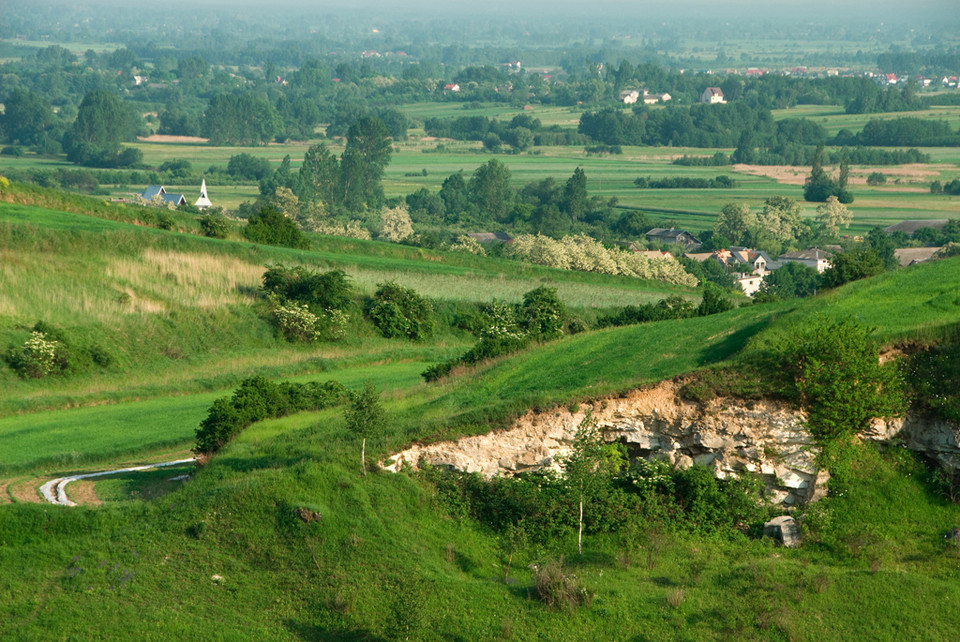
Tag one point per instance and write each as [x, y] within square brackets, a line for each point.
[580, 530]
[363, 457]
[506, 576]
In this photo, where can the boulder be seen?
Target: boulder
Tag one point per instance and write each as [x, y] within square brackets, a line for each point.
[783, 528]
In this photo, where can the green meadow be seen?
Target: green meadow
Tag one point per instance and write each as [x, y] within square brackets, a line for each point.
[228, 553]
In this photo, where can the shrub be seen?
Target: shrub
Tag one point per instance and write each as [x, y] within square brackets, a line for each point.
[400, 312]
[542, 314]
[256, 399]
[296, 322]
[327, 291]
[165, 221]
[876, 178]
[37, 358]
[271, 227]
[215, 226]
[556, 588]
[837, 377]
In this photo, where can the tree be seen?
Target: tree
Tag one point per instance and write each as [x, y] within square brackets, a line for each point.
[318, 176]
[491, 191]
[244, 119]
[363, 162]
[781, 218]
[736, 222]
[831, 215]
[575, 195]
[791, 280]
[589, 466]
[883, 245]
[27, 118]
[818, 185]
[454, 194]
[102, 123]
[365, 418]
[395, 224]
[851, 266]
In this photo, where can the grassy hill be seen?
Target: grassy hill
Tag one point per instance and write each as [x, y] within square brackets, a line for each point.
[227, 555]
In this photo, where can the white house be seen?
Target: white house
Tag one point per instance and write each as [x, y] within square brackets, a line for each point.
[813, 257]
[712, 96]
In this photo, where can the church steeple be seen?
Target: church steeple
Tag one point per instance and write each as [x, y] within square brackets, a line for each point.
[203, 202]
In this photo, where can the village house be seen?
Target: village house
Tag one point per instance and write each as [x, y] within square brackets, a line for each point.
[750, 283]
[907, 256]
[653, 99]
[158, 192]
[629, 96]
[747, 266]
[673, 235]
[813, 257]
[712, 96]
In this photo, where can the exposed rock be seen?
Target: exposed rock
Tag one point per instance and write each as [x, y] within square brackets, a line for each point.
[730, 436]
[784, 529]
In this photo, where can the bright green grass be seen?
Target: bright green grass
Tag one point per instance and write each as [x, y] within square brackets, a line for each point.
[65, 439]
[919, 303]
[386, 560]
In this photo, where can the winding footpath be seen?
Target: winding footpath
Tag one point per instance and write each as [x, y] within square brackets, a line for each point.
[55, 490]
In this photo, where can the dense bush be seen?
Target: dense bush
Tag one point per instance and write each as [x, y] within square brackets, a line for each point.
[542, 314]
[326, 290]
[400, 312]
[271, 227]
[836, 376]
[215, 225]
[673, 307]
[504, 328]
[48, 351]
[934, 375]
[256, 399]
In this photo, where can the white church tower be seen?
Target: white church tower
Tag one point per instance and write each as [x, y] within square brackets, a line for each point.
[203, 202]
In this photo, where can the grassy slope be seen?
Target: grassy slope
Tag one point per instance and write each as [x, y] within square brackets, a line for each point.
[385, 560]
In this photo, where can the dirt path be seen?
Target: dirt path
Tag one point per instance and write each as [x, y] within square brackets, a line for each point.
[54, 491]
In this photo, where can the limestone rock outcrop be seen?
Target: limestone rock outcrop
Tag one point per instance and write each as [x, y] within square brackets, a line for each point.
[728, 435]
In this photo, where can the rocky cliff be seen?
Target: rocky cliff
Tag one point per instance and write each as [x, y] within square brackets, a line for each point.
[728, 435]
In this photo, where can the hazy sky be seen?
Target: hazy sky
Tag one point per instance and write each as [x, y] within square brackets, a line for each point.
[807, 10]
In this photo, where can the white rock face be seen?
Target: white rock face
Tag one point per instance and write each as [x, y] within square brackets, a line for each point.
[730, 436]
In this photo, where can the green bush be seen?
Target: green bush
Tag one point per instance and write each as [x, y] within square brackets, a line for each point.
[48, 351]
[542, 314]
[838, 379]
[296, 322]
[215, 226]
[36, 358]
[324, 291]
[934, 375]
[400, 312]
[270, 227]
[256, 399]
[557, 588]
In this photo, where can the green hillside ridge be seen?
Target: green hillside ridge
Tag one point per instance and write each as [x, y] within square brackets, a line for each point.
[225, 555]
